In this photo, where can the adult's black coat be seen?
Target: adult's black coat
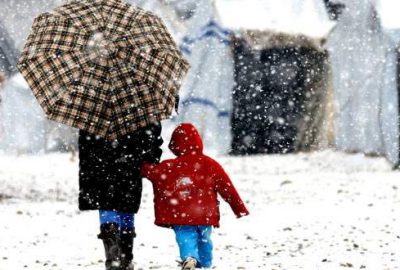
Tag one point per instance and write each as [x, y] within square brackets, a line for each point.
[109, 171]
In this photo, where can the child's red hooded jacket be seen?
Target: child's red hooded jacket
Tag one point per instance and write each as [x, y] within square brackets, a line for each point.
[186, 188]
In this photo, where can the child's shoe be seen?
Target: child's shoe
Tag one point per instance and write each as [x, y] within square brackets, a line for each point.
[189, 264]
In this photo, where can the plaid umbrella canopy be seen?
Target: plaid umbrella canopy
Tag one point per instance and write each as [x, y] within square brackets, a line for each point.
[103, 66]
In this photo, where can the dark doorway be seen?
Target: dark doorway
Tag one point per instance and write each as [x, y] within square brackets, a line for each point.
[269, 96]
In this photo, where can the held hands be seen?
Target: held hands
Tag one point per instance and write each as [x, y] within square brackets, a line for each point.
[152, 156]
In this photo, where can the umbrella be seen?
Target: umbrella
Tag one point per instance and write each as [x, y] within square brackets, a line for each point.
[8, 52]
[103, 66]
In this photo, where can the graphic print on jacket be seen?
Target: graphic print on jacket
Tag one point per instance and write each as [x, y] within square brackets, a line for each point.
[186, 188]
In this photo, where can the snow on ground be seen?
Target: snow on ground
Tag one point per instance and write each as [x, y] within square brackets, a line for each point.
[324, 210]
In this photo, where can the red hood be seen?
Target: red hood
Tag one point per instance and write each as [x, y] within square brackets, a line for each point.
[186, 140]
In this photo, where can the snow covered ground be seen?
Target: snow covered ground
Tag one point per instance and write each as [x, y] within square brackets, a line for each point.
[324, 210]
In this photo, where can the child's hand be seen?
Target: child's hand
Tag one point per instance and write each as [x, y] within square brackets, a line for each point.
[152, 156]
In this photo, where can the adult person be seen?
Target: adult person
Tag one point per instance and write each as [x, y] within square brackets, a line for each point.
[132, 84]
[110, 181]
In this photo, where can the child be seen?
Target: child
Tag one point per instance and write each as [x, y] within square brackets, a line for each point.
[185, 196]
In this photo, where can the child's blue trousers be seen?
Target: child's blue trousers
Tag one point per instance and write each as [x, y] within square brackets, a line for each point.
[195, 242]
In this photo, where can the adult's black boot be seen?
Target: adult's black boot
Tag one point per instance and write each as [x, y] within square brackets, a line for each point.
[109, 233]
[126, 247]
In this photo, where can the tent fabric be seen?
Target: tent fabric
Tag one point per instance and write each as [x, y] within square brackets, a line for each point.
[364, 67]
[23, 124]
[307, 17]
[389, 13]
[17, 16]
[24, 127]
[316, 127]
[206, 93]
[8, 52]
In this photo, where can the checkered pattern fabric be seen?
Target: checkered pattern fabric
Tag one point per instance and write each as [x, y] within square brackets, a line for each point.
[103, 66]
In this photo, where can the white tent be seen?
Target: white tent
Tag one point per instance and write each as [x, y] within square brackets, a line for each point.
[205, 98]
[23, 125]
[364, 70]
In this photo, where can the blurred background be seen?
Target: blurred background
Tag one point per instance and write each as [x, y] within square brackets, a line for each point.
[267, 76]
[308, 81]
